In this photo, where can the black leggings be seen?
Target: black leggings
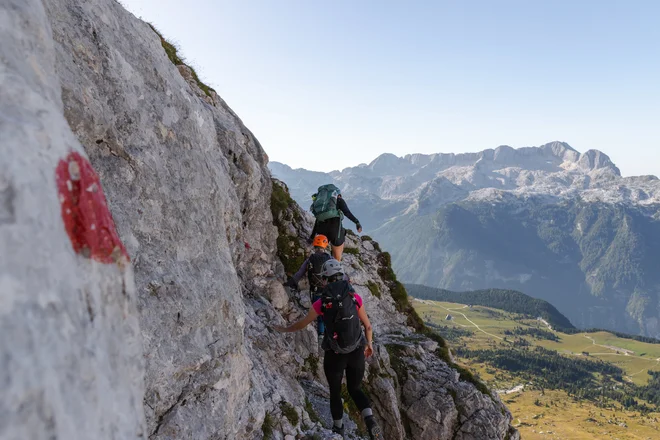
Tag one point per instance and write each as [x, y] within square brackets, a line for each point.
[334, 365]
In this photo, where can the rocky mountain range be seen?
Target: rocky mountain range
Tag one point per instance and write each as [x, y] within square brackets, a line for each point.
[550, 221]
[143, 247]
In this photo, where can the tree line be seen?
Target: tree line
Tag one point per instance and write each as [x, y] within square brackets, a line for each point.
[508, 300]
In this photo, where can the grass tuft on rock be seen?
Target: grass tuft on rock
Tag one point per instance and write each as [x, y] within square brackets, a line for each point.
[311, 364]
[290, 413]
[373, 243]
[352, 251]
[374, 289]
[283, 209]
[173, 54]
[267, 426]
[313, 416]
[353, 411]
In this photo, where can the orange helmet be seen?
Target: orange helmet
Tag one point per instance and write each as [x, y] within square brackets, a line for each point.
[320, 241]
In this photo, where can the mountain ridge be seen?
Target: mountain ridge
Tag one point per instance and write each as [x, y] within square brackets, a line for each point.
[550, 221]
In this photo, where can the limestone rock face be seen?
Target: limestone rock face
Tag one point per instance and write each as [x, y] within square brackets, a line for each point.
[162, 328]
[71, 363]
[189, 189]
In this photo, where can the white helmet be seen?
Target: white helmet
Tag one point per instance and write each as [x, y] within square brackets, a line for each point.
[331, 267]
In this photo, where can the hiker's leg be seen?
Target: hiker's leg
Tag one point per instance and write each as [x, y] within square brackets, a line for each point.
[338, 237]
[354, 376]
[320, 325]
[337, 252]
[334, 365]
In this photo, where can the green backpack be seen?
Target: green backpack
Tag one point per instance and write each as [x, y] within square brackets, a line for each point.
[324, 206]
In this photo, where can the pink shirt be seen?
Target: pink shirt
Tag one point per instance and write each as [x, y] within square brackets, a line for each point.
[318, 308]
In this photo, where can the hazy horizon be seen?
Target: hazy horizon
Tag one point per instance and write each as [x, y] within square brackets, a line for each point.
[351, 80]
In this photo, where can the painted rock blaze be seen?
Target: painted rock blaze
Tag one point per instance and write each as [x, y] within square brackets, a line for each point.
[85, 212]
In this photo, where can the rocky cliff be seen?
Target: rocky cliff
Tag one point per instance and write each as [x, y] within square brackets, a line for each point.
[143, 250]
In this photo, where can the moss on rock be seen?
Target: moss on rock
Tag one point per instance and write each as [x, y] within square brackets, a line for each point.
[373, 288]
[283, 208]
[290, 413]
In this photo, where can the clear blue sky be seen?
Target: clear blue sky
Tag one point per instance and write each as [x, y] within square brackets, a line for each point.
[330, 84]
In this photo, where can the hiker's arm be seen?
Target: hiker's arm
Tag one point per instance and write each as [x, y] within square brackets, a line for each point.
[298, 275]
[343, 207]
[362, 314]
[311, 316]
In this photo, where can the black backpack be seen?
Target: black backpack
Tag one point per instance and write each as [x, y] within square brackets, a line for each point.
[314, 269]
[343, 333]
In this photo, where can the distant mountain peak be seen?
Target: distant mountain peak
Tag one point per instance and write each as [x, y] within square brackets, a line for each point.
[387, 162]
[596, 160]
[551, 170]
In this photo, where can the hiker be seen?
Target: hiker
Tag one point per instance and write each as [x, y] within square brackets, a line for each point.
[329, 208]
[344, 343]
[313, 265]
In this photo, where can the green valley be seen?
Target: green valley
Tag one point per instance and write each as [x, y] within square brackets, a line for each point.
[574, 385]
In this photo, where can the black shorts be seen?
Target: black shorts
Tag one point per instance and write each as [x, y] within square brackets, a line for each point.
[332, 229]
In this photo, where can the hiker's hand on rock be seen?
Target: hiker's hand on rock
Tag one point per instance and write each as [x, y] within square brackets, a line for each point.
[369, 351]
[279, 328]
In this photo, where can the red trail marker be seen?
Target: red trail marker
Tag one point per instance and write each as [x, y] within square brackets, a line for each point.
[85, 212]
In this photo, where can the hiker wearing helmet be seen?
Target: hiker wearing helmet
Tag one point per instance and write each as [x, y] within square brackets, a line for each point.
[345, 344]
[313, 266]
[329, 208]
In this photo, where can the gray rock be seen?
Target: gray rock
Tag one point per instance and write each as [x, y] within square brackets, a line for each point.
[189, 190]
[71, 362]
[429, 345]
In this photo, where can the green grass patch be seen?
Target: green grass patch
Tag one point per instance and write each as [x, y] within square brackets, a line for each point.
[352, 251]
[467, 376]
[267, 426]
[373, 243]
[289, 253]
[353, 411]
[289, 250]
[373, 288]
[396, 352]
[290, 413]
[280, 200]
[312, 364]
[313, 416]
[385, 260]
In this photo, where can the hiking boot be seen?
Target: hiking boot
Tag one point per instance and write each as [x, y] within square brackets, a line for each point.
[375, 433]
[339, 431]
